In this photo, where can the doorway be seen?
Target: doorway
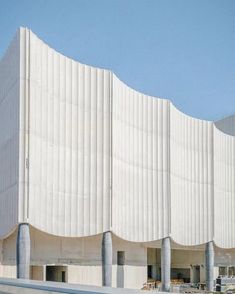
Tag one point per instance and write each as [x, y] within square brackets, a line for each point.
[182, 274]
[56, 273]
[195, 274]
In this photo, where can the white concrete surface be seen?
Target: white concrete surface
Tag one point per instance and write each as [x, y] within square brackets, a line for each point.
[141, 190]
[191, 154]
[9, 137]
[81, 256]
[69, 153]
[224, 189]
[84, 123]
[83, 153]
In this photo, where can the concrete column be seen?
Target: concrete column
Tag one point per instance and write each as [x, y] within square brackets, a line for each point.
[209, 265]
[44, 273]
[23, 252]
[107, 259]
[166, 264]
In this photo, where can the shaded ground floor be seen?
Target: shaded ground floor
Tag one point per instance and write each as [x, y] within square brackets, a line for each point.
[79, 260]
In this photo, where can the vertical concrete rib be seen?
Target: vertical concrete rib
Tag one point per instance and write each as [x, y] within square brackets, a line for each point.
[23, 251]
[166, 264]
[107, 254]
[209, 265]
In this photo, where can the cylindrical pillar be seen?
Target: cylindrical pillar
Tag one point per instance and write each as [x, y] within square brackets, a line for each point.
[107, 257]
[166, 264]
[23, 251]
[209, 266]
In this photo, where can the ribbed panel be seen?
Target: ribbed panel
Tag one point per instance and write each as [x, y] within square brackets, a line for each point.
[9, 136]
[191, 154]
[224, 189]
[55, 140]
[140, 165]
[69, 145]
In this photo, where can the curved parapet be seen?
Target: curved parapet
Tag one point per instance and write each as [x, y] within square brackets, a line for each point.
[191, 179]
[224, 188]
[69, 144]
[140, 153]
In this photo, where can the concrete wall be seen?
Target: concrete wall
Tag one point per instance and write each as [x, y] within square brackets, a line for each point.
[191, 154]
[90, 134]
[69, 155]
[9, 256]
[224, 189]
[134, 273]
[141, 194]
[105, 131]
[10, 83]
[85, 274]
[38, 273]
[81, 256]
[183, 188]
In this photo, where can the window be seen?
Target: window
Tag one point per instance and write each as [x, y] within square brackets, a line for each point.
[222, 271]
[120, 257]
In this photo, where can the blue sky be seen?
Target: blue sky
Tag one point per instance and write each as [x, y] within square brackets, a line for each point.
[183, 50]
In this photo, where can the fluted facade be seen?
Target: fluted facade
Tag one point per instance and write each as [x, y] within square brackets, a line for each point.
[140, 153]
[191, 179]
[84, 153]
[10, 86]
[69, 144]
[224, 189]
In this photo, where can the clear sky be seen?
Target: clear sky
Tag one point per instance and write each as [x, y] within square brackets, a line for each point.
[183, 50]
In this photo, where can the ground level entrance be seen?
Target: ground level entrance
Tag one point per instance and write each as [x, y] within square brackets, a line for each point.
[51, 273]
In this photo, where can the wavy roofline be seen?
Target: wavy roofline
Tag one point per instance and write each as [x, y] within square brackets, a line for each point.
[131, 88]
[170, 107]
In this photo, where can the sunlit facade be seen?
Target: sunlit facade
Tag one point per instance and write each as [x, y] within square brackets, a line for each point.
[83, 154]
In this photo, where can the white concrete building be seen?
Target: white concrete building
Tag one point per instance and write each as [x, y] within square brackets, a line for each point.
[84, 157]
